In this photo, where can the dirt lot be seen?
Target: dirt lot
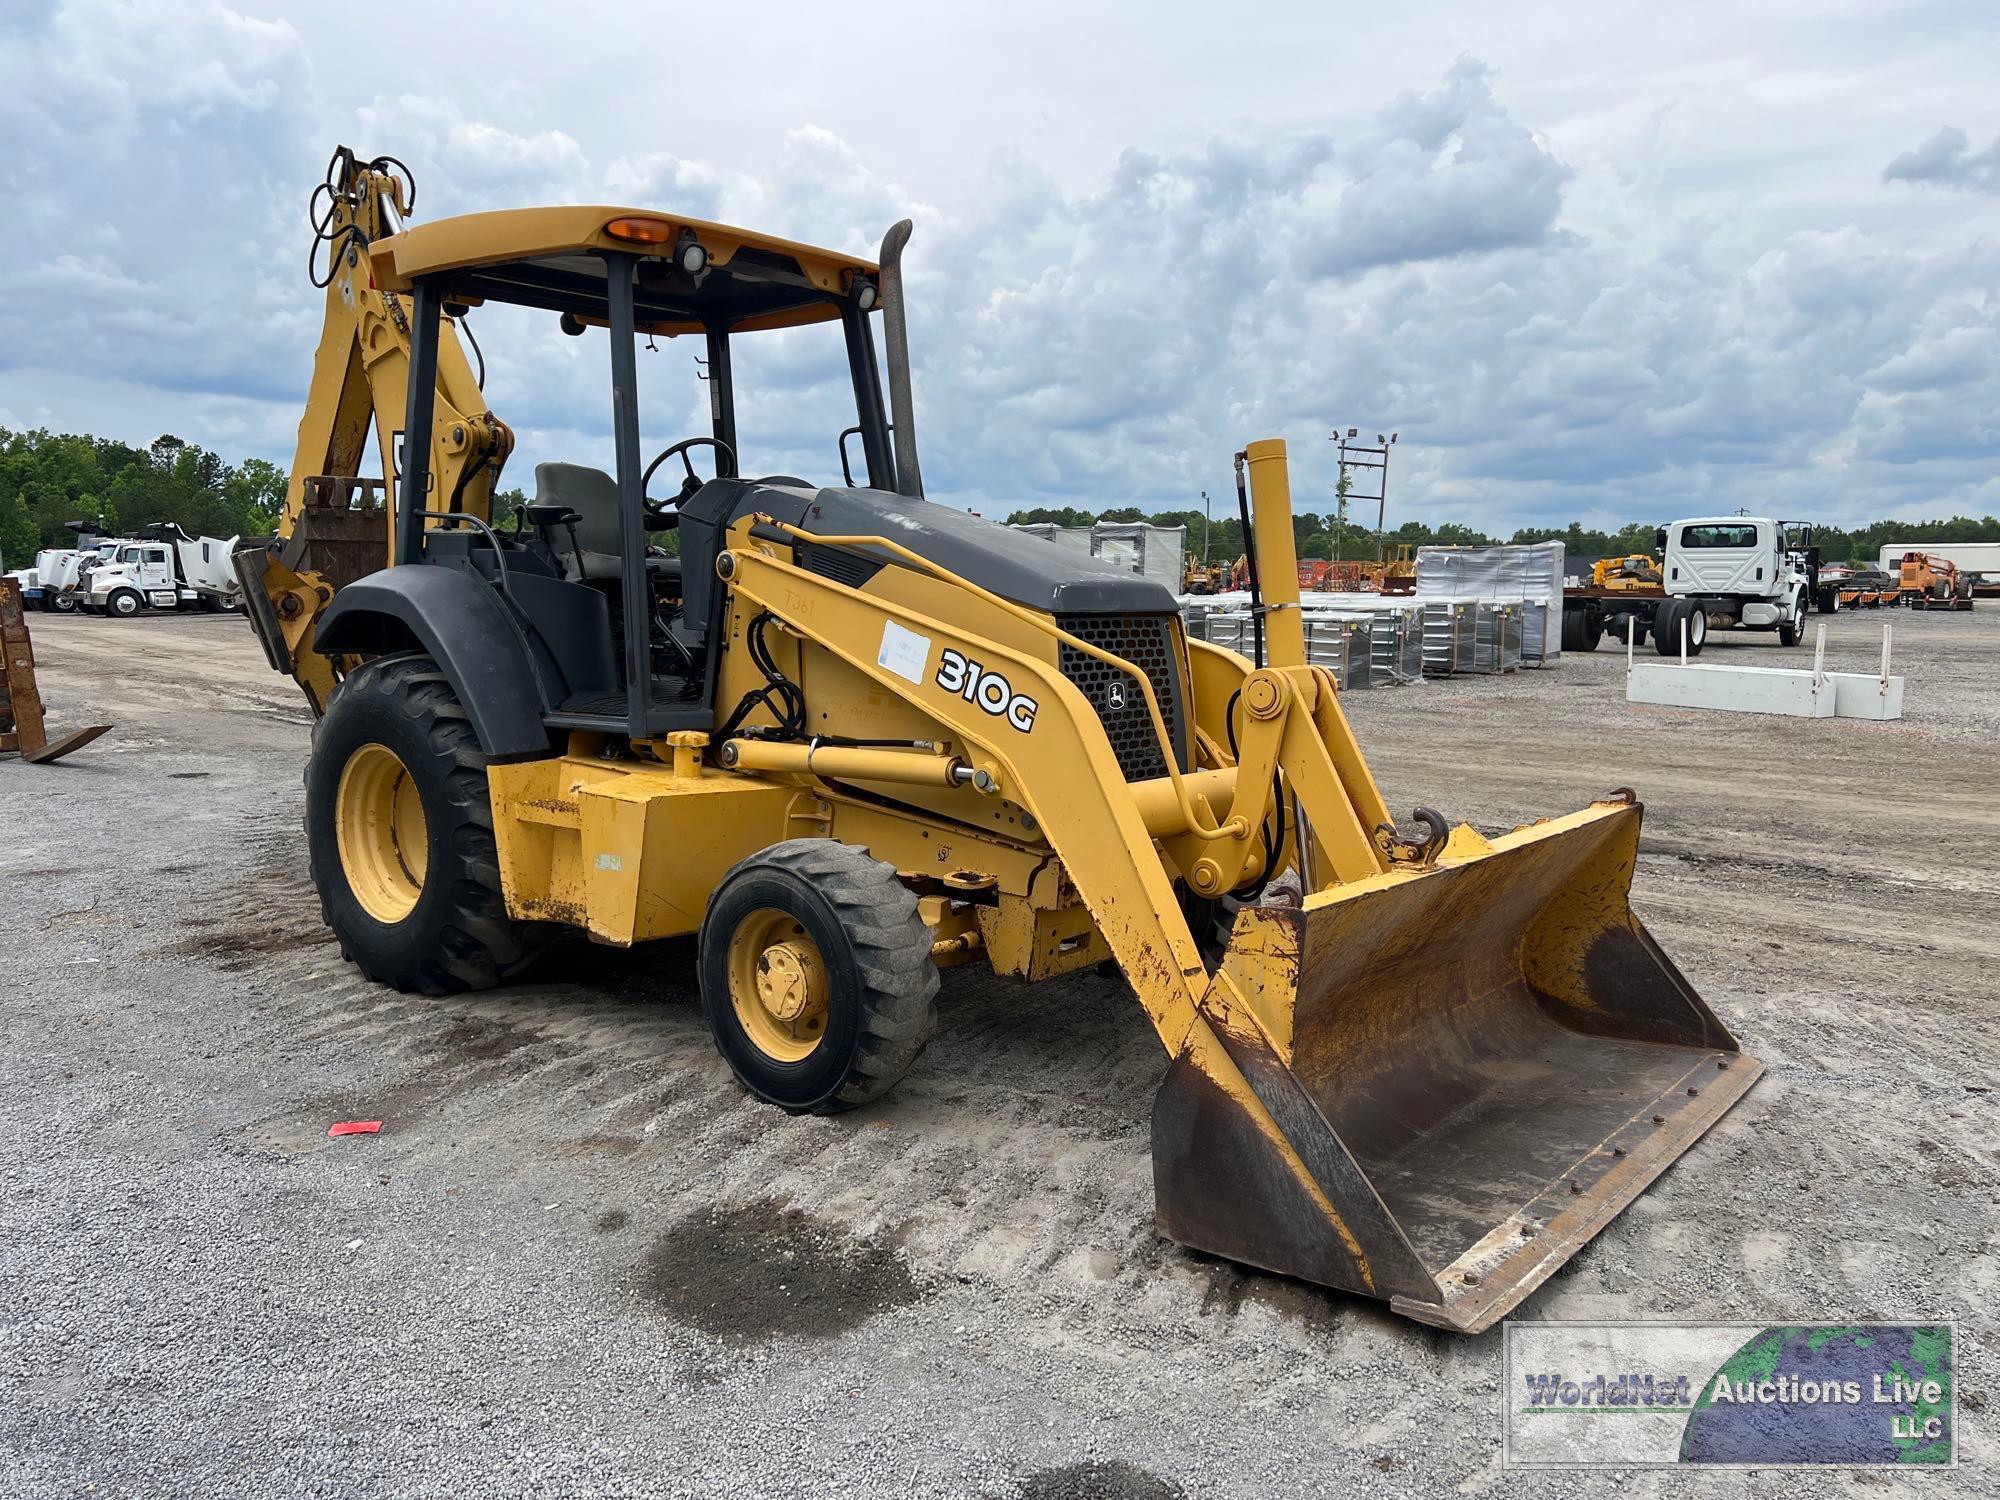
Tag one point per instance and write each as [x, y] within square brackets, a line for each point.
[579, 1260]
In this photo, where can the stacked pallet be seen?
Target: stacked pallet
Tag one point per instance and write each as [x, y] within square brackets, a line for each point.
[1526, 577]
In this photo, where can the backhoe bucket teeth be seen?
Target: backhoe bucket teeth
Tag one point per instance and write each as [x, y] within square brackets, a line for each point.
[1435, 1087]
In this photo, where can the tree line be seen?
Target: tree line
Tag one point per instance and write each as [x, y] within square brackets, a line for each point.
[48, 480]
[1318, 536]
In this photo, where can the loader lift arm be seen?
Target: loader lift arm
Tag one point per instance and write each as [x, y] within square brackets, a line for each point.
[335, 525]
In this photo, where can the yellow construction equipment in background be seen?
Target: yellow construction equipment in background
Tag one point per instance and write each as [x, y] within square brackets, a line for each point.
[850, 737]
[1636, 574]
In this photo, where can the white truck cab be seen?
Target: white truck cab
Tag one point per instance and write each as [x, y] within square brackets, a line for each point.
[141, 574]
[166, 568]
[1737, 572]
[67, 586]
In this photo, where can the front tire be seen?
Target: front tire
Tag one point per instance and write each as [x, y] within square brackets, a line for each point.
[816, 976]
[399, 833]
[1792, 627]
[62, 604]
[124, 604]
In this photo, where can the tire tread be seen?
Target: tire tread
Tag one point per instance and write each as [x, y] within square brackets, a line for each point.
[479, 945]
[892, 950]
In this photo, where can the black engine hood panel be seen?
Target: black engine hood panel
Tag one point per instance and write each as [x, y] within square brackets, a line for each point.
[1016, 565]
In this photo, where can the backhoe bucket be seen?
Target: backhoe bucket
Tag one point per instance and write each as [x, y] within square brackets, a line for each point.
[1435, 1087]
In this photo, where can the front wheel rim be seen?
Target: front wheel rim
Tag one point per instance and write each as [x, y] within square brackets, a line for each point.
[382, 834]
[778, 985]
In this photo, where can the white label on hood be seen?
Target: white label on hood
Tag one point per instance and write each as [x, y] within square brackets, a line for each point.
[903, 651]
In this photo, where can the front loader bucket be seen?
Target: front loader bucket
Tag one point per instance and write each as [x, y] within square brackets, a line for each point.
[1435, 1087]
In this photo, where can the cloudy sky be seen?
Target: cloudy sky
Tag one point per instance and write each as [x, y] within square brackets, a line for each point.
[1611, 261]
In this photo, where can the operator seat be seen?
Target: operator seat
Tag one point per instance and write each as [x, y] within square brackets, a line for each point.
[593, 495]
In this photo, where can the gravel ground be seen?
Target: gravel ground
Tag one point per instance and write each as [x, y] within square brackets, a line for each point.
[578, 1260]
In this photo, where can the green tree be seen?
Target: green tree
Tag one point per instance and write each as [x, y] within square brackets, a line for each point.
[1042, 515]
[20, 537]
[254, 496]
[505, 503]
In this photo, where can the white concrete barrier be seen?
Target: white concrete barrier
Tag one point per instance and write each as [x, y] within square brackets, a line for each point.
[1858, 695]
[1817, 694]
[1743, 690]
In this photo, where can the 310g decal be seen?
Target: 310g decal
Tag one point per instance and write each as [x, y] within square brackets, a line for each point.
[990, 690]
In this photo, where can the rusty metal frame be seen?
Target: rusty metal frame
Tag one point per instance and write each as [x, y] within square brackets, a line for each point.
[21, 725]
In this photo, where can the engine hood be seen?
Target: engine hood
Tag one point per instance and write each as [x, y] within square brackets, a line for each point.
[1016, 565]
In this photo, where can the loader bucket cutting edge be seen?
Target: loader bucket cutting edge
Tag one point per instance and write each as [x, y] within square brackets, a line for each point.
[1435, 1088]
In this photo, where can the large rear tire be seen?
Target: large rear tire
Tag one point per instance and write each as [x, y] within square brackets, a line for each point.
[1582, 629]
[816, 975]
[399, 834]
[1667, 626]
[1572, 632]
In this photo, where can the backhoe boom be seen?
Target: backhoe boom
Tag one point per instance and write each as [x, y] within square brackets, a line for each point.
[335, 527]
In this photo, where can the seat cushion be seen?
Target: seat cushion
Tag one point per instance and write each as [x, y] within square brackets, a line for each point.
[592, 494]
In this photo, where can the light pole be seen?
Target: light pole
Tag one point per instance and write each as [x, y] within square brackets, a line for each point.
[1359, 455]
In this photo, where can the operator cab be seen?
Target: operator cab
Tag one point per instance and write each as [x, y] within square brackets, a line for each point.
[595, 606]
[590, 570]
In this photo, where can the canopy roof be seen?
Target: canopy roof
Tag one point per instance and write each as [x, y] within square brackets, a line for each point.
[548, 257]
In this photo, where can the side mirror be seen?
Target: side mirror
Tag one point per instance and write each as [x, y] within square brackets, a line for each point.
[1660, 537]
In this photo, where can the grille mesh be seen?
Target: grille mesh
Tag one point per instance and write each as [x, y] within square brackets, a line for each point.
[1147, 642]
[849, 568]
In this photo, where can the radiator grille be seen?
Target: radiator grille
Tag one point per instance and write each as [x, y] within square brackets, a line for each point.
[1147, 642]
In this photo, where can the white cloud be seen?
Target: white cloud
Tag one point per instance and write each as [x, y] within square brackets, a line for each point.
[1615, 328]
[1445, 172]
[1948, 160]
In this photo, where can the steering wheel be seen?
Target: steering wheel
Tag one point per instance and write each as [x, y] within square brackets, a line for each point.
[667, 512]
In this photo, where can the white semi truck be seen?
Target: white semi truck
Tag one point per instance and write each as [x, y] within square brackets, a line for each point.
[166, 569]
[64, 572]
[50, 582]
[1717, 573]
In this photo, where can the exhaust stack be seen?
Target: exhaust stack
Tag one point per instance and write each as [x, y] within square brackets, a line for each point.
[896, 339]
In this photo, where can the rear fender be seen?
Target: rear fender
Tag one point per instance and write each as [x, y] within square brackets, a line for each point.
[460, 624]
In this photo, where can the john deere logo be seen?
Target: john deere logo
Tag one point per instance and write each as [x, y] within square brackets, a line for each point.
[1114, 694]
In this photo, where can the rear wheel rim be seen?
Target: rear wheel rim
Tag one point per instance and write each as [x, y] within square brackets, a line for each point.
[778, 985]
[382, 834]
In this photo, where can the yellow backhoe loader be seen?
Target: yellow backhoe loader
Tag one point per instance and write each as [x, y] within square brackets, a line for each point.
[851, 737]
